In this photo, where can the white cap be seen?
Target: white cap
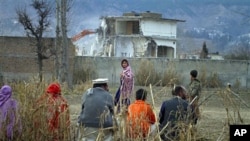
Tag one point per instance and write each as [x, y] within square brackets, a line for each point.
[100, 81]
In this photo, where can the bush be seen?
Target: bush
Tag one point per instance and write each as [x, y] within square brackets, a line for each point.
[202, 76]
[237, 84]
[83, 75]
[213, 81]
[170, 77]
[146, 74]
[209, 81]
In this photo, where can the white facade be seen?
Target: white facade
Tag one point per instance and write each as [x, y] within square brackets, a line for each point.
[150, 27]
[138, 35]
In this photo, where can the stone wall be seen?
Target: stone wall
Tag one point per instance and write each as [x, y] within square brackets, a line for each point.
[18, 60]
[228, 71]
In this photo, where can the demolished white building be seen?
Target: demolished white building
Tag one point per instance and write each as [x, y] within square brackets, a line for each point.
[137, 35]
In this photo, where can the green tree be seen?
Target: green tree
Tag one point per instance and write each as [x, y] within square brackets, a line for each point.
[204, 51]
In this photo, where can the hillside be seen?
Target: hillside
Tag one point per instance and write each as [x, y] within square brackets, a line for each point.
[223, 23]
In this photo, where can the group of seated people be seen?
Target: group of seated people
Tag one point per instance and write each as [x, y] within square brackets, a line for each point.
[141, 120]
[174, 114]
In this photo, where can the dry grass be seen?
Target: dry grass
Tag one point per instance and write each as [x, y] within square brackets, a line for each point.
[147, 75]
[84, 74]
[32, 118]
[170, 75]
[218, 112]
[211, 80]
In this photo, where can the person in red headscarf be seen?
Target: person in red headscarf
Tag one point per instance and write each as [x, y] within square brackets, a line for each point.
[57, 114]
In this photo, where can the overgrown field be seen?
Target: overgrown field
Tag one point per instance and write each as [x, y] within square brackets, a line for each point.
[220, 107]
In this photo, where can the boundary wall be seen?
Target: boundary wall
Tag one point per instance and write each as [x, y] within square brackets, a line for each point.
[228, 71]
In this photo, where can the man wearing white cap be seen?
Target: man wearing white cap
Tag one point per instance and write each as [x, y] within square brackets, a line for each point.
[96, 117]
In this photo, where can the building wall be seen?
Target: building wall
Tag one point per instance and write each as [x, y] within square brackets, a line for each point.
[228, 71]
[163, 33]
[18, 59]
[158, 28]
[124, 47]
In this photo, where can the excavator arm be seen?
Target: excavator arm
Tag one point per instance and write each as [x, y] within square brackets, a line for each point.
[82, 34]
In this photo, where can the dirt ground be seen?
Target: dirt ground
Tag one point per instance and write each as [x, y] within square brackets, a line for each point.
[215, 119]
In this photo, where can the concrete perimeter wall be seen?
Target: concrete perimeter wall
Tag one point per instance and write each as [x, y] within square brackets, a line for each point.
[228, 71]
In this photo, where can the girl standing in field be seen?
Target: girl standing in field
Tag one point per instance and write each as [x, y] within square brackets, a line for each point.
[125, 90]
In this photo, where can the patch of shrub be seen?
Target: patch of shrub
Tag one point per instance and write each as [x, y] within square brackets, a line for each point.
[209, 81]
[83, 75]
[146, 74]
[170, 76]
[237, 84]
[202, 76]
[213, 81]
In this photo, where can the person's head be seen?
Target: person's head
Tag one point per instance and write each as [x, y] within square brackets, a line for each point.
[101, 82]
[193, 74]
[54, 89]
[124, 63]
[180, 91]
[5, 94]
[229, 85]
[141, 94]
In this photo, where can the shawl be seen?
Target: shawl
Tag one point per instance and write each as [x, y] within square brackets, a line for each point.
[8, 109]
[5, 94]
[127, 82]
[56, 105]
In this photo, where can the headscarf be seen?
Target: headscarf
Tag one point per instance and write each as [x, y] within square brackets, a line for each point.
[127, 81]
[8, 109]
[54, 89]
[5, 94]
